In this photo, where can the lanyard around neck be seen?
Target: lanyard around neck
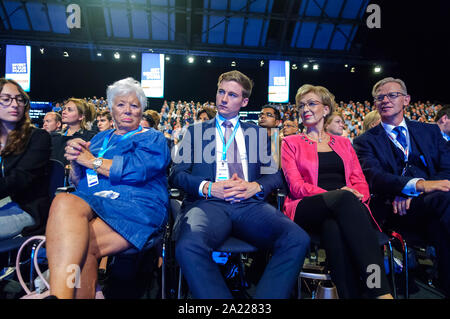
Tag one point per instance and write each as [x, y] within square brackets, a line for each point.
[106, 140]
[230, 140]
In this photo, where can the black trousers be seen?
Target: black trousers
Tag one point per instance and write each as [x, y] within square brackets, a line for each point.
[349, 240]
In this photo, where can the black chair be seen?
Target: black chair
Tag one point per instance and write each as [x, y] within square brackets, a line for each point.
[232, 245]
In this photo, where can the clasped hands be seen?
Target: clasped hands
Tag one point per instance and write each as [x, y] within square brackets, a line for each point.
[77, 151]
[233, 190]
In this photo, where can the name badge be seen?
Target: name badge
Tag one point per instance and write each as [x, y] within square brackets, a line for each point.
[92, 178]
[222, 171]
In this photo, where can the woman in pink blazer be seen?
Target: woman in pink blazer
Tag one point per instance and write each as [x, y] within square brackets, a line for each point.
[328, 195]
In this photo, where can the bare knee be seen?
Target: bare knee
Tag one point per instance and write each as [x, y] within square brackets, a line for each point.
[69, 205]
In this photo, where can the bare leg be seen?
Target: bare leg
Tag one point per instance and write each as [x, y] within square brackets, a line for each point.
[103, 241]
[67, 236]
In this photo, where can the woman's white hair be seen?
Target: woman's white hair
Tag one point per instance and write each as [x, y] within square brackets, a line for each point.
[125, 87]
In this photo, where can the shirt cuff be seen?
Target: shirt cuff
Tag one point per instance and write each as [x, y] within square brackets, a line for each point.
[410, 188]
[200, 189]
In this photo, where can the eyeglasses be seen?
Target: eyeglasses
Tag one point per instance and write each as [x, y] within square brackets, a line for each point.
[266, 114]
[288, 125]
[6, 100]
[310, 104]
[391, 96]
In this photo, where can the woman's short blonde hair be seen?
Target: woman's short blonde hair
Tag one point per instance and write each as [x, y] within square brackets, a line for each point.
[369, 119]
[327, 98]
[84, 108]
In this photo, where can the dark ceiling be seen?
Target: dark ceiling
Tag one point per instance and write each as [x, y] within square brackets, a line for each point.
[285, 29]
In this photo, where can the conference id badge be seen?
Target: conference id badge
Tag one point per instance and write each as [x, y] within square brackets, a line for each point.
[92, 177]
[222, 171]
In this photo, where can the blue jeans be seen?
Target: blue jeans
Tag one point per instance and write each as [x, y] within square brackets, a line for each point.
[12, 219]
[209, 223]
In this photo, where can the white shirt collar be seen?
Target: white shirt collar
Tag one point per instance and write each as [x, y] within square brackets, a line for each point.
[389, 128]
[233, 120]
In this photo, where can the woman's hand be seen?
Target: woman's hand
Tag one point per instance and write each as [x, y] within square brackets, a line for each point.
[354, 191]
[74, 148]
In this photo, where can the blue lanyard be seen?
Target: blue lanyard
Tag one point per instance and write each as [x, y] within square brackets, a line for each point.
[106, 140]
[230, 140]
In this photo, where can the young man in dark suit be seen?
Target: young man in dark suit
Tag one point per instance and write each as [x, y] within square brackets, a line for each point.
[225, 171]
[407, 166]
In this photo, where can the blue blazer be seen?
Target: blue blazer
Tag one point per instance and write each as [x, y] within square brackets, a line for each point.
[191, 168]
[378, 162]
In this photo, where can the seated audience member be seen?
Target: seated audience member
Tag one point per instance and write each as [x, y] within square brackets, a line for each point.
[121, 198]
[443, 121]
[335, 124]
[205, 114]
[269, 118]
[372, 119]
[224, 196]
[327, 196]
[289, 128]
[52, 122]
[25, 154]
[104, 121]
[76, 113]
[147, 121]
[407, 165]
[155, 117]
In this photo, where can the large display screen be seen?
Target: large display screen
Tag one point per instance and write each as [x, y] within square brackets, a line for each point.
[18, 65]
[278, 81]
[38, 111]
[152, 74]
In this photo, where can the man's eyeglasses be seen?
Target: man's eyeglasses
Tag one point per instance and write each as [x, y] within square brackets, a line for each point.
[310, 104]
[288, 125]
[266, 114]
[6, 100]
[391, 96]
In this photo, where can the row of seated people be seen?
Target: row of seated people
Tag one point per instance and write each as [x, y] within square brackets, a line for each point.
[121, 196]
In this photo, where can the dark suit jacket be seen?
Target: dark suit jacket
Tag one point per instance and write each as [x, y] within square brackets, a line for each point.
[26, 179]
[59, 143]
[188, 174]
[378, 163]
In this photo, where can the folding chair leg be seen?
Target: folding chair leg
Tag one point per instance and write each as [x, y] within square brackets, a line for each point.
[392, 269]
[180, 279]
[405, 269]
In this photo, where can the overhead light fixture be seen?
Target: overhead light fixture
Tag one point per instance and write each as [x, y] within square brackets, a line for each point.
[65, 54]
[346, 65]
[353, 69]
[167, 58]
[208, 61]
[42, 50]
[133, 56]
[117, 55]
[233, 63]
[306, 65]
[294, 66]
[377, 69]
[99, 54]
[261, 63]
[191, 59]
[315, 67]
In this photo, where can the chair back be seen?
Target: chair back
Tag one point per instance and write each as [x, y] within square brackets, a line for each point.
[57, 176]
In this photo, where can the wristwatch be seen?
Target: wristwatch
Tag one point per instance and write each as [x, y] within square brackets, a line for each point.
[260, 194]
[97, 163]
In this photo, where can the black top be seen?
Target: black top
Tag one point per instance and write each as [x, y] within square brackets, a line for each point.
[331, 171]
[59, 143]
[26, 179]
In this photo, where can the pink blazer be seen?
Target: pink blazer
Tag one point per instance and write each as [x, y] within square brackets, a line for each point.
[300, 164]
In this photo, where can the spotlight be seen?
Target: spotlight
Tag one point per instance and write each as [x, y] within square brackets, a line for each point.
[305, 66]
[261, 63]
[191, 59]
[315, 67]
[42, 50]
[353, 69]
[65, 54]
[294, 66]
[233, 63]
[117, 55]
[133, 56]
[167, 58]
[377, 69]
[99, 54]
[346, 65]
[208, 61]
